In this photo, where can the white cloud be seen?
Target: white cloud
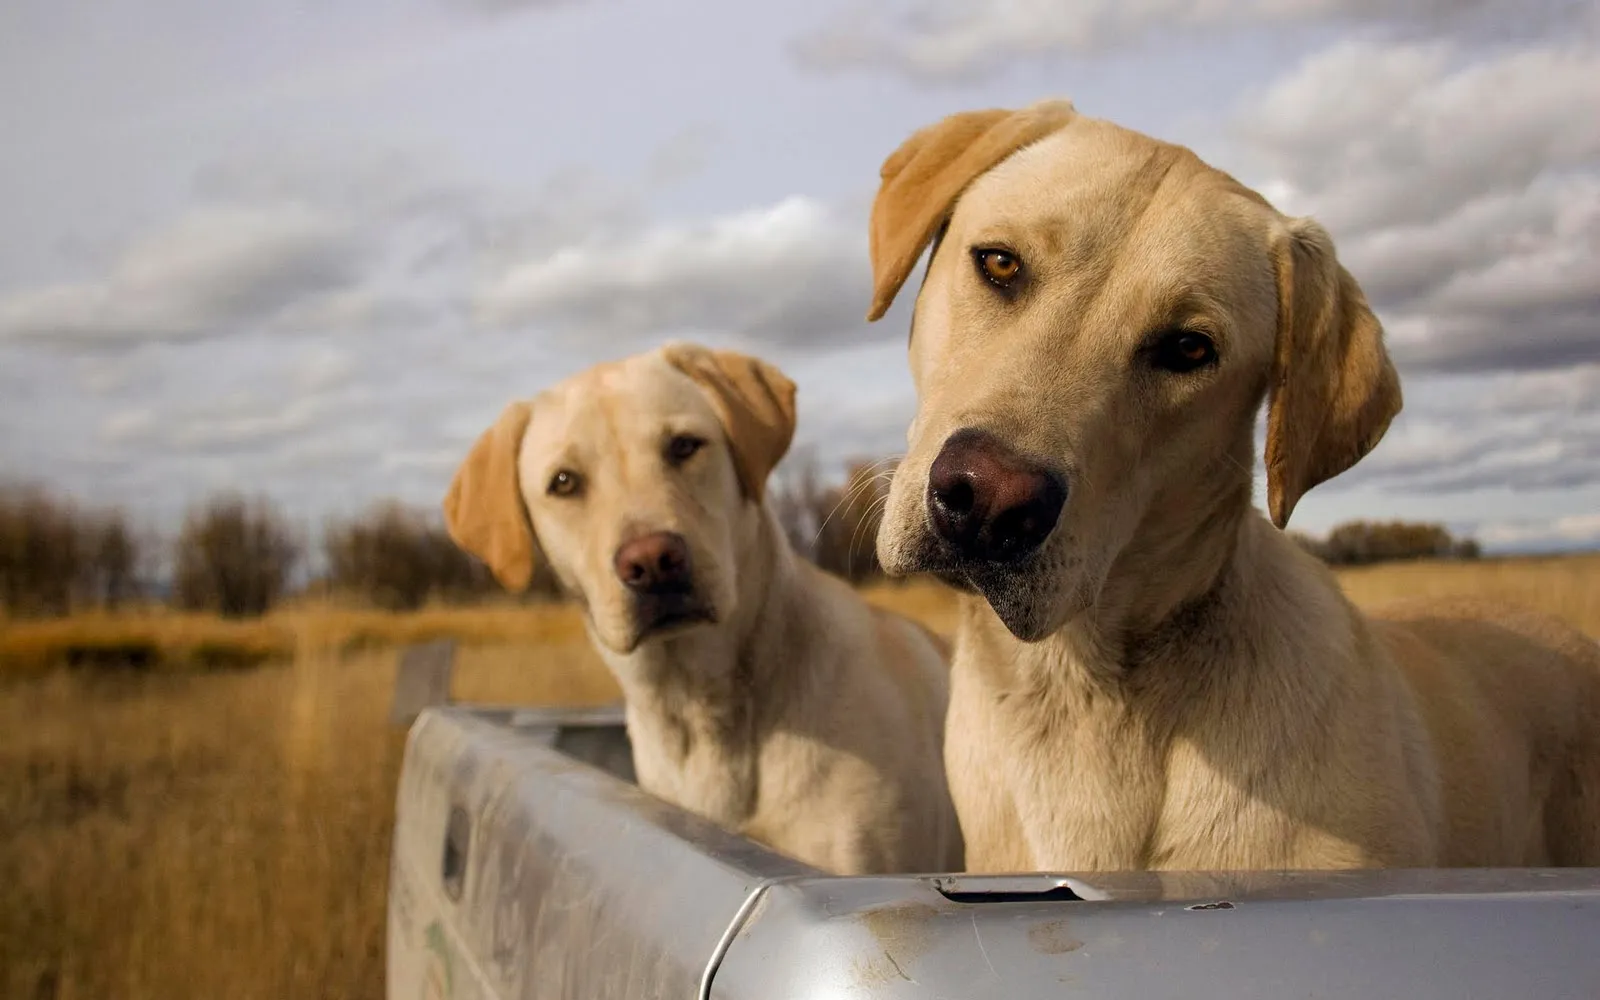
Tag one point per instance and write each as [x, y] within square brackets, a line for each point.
[368, 307]
[436, 462]
[790, 272]
[961, 40]
[128, 426]
[498, 7]
[259, 424]
[1463, 190]
[1575, 531]
[99, 375]
[213, 269]
[370, 184]
[1572, 392]
[323, 368]
[1375, 133]
[300, 244]
[1517, 432]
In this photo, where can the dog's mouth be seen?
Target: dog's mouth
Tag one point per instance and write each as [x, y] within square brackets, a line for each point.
[658, 615]
[1011, 588]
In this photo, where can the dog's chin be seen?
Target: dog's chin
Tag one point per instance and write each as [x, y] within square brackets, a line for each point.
[955, 580]
[668, 619]
[1016, 599]
[1014, 591]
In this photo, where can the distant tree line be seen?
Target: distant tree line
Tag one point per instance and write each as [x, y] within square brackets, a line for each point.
[239, 556]
[400, 558]
[233, 555]
[1361, 543]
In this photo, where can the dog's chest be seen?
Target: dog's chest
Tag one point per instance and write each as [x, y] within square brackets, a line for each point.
[1087, 787]
[1076, 781]
[709, 777]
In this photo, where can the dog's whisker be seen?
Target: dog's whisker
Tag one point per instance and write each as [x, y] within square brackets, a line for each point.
[850, 493]
[872, 517]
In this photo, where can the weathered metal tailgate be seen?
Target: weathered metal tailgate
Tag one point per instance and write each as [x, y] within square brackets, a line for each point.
[555, 879]
[1414, 935]
[560, 880]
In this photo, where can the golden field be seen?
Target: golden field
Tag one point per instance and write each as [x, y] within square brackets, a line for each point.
[217, 824]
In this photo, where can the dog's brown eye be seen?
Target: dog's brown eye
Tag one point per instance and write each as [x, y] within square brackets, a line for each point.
[1183, 351]
[564, 483]
[998, 267]
[682, 447]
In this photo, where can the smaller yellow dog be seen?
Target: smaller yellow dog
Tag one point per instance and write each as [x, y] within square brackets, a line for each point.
[762, 693]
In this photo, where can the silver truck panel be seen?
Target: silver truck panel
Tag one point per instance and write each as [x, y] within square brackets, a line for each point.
[564, 880]
[1414, 935]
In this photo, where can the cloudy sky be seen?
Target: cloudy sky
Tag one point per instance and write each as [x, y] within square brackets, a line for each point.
[310, 249]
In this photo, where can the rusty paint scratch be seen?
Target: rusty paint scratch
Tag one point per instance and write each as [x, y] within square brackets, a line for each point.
[1052, 938]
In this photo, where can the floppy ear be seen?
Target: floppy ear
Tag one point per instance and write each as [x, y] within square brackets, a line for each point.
[923, 178]
[484, 512]
[754, 401]
[1334, 389]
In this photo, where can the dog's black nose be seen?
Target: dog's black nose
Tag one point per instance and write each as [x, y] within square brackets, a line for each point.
[655, 563]
[990, 503]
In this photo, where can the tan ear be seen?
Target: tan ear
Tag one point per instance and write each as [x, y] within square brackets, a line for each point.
[754, 401]
[923, 178]
[484, 512]
[1334, 389]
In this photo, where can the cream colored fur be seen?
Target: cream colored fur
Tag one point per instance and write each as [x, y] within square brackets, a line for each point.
[803, 717]
[1169, 682]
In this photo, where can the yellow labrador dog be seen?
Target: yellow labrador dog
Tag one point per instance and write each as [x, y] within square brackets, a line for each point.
[1155, 676]
[761, 692]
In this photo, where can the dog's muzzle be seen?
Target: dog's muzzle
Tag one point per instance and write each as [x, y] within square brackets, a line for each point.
[658, 570]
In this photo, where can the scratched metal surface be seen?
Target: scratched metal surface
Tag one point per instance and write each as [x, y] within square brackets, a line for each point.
[577, 884]
[1419, 935]
[574, 884]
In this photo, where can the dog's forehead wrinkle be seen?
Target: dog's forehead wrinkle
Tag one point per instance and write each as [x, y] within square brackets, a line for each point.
[677, 394]
[1090, 205]
[609, 424]
[635, 404]
[552, 437]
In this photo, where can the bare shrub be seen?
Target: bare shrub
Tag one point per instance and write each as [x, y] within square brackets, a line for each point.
[835, 525]
[847, 540]
[40, 552]
[398, 558]
[55, 556]
[796, 496]
[114, 554]
[234, 556]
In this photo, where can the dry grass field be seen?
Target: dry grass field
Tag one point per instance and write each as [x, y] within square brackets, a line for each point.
[216, 823]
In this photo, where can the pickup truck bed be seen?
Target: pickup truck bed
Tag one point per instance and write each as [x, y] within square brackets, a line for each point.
[527, 864]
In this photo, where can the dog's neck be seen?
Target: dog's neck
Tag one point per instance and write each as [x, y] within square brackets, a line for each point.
[700, 702]
[1169, 581]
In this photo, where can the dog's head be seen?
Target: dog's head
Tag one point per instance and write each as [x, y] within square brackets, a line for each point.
[640, 481]
[1100, 319]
